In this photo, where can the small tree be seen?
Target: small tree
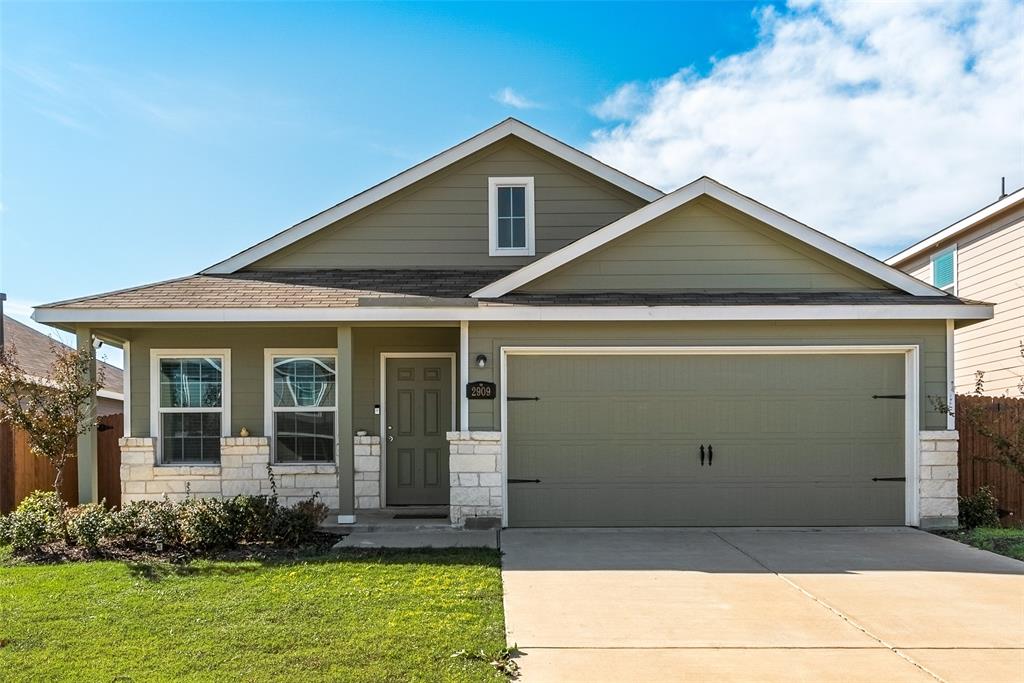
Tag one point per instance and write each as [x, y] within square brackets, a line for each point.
[49, 409]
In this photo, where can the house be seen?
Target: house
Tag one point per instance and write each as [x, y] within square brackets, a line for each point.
[534, 338]
[35, 357]
[981, 257]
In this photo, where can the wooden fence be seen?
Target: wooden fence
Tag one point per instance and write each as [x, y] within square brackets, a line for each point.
[976, 467]
[21, 472]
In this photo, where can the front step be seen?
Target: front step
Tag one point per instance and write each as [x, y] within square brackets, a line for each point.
[383, 521]
[420, 538]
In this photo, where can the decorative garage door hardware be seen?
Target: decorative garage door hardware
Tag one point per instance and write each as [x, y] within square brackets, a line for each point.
[889, 396]
[524, 481]
[888, 478]
[711, 455]
[522, 398]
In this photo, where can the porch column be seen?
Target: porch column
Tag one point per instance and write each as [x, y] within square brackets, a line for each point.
[88, 474]
[346, 454]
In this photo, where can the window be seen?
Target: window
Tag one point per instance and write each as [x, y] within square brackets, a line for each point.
[510, 207]
[302, 406]
[944, 270]
[190, 396]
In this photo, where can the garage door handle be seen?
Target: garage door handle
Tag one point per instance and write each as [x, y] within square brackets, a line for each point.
[702, 455]
[888, 478]
[711, 454]
[524, 481]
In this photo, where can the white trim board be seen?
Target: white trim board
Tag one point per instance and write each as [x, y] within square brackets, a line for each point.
[953, 230]
[911, 414]
[384, 356]
[99, 316]
[420, 171]
[712, 188]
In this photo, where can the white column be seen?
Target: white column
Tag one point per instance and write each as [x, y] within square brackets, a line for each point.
[463, 375]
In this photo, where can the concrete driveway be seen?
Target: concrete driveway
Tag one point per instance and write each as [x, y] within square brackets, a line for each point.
[760, 605]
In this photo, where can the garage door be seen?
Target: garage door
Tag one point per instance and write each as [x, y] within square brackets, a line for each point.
[788, 440]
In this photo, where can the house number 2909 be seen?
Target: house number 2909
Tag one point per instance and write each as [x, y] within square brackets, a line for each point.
[484, 390]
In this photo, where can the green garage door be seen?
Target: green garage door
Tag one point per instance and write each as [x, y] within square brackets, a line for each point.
[789, 440]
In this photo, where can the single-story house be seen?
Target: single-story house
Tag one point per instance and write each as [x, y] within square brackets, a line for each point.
[981, 257]
[520, 332]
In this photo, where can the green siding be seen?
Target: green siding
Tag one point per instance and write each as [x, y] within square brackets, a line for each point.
[442, 220]
[247, 346]
[705, 245]
[930, 335]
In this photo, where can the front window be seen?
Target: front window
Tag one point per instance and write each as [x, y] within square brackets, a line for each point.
[511, 217]
[303, 408]
[190, 409]
[944, 271]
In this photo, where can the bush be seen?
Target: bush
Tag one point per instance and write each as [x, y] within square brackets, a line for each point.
[194, 524]
[254, 517]
[207, 524]
[88, 525]
[38, 520]
[298, 525]
[979, 509]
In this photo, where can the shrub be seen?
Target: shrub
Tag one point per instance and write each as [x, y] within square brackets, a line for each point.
[88, 524]
[155, 521]
[979, 509]
[207, 523]
[298, 524]
[254, 517]
[38, 520]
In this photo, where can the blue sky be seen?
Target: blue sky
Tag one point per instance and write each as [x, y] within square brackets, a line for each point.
[143, 141]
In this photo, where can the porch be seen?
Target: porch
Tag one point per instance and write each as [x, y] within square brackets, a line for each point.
[391, 391]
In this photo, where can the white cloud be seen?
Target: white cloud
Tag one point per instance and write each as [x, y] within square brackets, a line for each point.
[511, 98]
[875, 122]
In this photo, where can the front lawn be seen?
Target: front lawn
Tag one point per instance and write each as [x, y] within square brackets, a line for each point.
[1009, 542]
[383, 616]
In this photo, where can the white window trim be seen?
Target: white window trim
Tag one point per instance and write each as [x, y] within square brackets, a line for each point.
[492, 216]
[268, 401]
[154, 397]
[955, 286]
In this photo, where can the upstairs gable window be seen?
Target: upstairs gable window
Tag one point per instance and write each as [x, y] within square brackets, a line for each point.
[511, 216]
[944, 270]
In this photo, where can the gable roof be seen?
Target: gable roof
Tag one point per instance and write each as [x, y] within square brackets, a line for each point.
[963, 225]
[712, 188]
[35, 356]
[508, 127]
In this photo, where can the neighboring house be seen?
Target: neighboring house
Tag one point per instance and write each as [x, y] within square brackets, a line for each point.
[546, 341]
[35, 357]
[981, 257]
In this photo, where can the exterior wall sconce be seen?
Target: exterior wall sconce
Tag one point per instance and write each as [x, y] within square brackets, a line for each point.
[481, 361]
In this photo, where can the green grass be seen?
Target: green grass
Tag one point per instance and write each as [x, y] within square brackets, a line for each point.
[1009, 542]
[389, 616]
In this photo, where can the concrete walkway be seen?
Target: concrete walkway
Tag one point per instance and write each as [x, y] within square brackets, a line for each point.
[760, 605]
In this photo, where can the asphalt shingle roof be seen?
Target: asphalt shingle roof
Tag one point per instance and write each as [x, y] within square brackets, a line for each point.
[35, 354]
[370, 287]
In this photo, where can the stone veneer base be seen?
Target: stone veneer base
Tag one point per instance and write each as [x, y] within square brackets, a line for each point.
[475, 477]
[242, 470]
[938, 479]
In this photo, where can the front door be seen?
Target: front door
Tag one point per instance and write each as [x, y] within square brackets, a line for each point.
[418, 412]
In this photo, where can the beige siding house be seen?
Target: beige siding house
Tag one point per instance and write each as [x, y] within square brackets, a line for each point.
[515, 333]
[981, 258]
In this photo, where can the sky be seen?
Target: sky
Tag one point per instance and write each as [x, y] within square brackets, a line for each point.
[145, 141]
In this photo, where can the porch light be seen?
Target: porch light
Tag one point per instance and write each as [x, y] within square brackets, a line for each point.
[481, 361]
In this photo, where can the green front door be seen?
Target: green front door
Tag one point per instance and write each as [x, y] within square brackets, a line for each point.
[418, 413]
[789, 440]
